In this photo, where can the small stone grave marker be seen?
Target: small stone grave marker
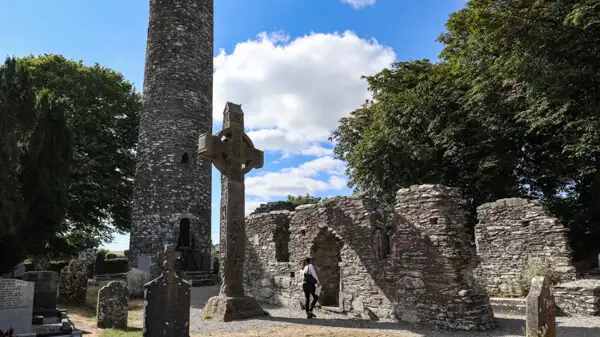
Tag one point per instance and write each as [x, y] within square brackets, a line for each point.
[16, 305]
[540, 309]
[73, 282]
[19, 270]
[136, 279]
[46, 288]
[167, 302]
[112, 306]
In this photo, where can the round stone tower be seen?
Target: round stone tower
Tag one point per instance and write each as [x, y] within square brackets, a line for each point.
[172, 194]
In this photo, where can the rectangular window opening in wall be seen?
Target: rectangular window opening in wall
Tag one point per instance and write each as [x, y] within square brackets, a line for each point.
[281, 236]
[383, 243]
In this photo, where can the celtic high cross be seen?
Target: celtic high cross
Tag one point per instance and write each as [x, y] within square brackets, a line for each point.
[234, 155]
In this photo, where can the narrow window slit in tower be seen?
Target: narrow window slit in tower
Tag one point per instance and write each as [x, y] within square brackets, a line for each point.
[185, 158]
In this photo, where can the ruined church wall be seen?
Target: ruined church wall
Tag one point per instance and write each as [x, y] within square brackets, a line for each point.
[512, 231]
[393, 265]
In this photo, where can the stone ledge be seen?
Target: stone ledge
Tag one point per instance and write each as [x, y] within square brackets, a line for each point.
[508, 306]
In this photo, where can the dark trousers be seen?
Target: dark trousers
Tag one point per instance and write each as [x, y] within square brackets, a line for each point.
[309, 289]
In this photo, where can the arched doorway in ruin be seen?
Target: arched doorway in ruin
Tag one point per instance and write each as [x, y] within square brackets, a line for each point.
[325, 254]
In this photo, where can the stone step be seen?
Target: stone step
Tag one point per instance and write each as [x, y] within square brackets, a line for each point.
[508, 306]
[200, 278]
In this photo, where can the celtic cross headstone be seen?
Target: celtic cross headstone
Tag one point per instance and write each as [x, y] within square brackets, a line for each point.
[233, 154]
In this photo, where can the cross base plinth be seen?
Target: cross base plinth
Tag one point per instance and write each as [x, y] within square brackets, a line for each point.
[227, 309]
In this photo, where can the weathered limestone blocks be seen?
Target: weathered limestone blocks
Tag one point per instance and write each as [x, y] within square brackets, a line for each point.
[512, 233]
[111, 309]
[578, 298]
[409, 264]
[274, 206]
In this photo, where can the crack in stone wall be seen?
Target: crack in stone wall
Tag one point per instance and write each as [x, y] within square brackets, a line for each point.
[172, 181]
[412, 263]
[512, 233]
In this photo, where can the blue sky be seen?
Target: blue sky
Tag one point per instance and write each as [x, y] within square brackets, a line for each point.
[294, 65]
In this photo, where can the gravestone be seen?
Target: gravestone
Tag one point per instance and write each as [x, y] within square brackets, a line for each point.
[111, 309]
[540, 309]
[167, 302]
[144, 262]
[46, 288]
[16, 305]
[88, 256]
[234, 155]
[73, 282]
[136, 279]
[40, 262]
[19, 270]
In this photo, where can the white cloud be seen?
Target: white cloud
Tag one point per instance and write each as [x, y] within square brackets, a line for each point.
[252, 205]
[294, 92]
[298, 180]
[358, 4]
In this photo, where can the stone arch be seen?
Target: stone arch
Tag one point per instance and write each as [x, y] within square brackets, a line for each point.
[325, 253]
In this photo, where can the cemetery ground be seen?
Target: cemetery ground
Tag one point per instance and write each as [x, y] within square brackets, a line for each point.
[286, 322]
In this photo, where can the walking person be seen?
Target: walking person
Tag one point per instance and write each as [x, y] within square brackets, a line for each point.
[309, 286]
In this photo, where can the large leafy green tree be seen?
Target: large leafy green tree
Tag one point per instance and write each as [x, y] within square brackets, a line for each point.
[103, 115]
[36, 149]
[511, 110]
[547, 53]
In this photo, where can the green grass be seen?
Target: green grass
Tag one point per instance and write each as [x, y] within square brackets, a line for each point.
[129, 332]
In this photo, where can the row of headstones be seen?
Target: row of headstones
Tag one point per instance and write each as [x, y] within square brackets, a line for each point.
[38, 293]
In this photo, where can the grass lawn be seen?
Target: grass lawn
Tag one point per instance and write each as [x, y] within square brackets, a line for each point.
[84, 318]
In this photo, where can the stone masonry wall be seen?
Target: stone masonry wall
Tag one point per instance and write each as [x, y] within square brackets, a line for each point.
[578, 298]
[512, 233]
[410, 264]
[274, 206]
[172, 182]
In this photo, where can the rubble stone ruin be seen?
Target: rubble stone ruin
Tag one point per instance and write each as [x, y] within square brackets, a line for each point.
[413, 263]
[513, 235]
[171, 203]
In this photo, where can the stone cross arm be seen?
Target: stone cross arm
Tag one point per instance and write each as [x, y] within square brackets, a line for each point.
[224, 154]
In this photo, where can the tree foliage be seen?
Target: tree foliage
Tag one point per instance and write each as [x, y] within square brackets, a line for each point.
[510, 110]
[36, 152]
[103, 116]
[303, 200]
[67, 155]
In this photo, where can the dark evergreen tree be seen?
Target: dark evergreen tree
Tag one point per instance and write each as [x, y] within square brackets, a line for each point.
[35, 148]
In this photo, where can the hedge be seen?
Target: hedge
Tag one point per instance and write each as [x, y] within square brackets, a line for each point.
[54, 266]
[113, 266]
[108, 266]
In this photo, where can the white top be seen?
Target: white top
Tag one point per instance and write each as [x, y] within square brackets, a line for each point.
[311, 270]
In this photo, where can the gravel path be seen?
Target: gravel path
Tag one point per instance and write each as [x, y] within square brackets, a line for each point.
[509, 326]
